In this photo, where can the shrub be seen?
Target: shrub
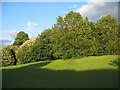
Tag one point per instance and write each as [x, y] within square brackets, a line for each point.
[7, 54]
[24, 53]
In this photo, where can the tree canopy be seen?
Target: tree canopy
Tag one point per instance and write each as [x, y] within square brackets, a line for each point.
[21, 37]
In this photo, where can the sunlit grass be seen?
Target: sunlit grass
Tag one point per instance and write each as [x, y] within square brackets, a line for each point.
[88, 63]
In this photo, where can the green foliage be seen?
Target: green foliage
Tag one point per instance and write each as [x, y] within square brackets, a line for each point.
[73, 20]
[21, 37]
[44, 45]
[70, 37]
[25, 54]
[107, 35]
[7, 54]
[60, 23]
[75, 37]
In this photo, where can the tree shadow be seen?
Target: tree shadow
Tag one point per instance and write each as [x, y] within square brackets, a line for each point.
[33, 76]
[115, 63]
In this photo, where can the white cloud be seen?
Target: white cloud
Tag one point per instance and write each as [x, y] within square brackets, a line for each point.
[29, 29]
[31, 35]
[13, 33]
[4, 42]
[73, 6]
[31, 26]
[94, 10]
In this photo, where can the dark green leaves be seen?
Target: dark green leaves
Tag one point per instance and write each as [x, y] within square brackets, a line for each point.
[21, 37]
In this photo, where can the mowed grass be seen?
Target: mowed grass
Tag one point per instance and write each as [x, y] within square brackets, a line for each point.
[89, 72]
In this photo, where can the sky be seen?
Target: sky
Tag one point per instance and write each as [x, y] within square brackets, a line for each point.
[34, 17]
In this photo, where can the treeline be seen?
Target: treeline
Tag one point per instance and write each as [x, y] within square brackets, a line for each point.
[71, 37]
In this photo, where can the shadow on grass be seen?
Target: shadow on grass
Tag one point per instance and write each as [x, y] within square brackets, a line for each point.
[34, 77]
[115, 63]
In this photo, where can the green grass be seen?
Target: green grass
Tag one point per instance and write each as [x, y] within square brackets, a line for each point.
[89, 72]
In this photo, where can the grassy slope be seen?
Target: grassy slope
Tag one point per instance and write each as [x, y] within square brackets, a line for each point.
[89, 63]
[84, 73]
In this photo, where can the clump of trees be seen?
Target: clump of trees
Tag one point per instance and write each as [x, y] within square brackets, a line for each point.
[71, 37]
[75, 37]
[8, 53]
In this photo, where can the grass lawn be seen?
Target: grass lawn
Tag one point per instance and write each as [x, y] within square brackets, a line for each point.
[89, 72]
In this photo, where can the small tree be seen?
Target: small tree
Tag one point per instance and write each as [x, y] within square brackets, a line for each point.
[21, 37]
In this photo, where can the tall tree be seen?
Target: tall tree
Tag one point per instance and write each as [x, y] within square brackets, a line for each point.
[107, 34]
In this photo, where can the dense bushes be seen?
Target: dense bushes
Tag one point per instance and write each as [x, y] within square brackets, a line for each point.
[24, 53]
[8, 55]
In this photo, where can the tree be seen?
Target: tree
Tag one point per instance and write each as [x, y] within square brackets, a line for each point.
[75, 39]
[21, 37]
[70, 37]
[107, 35]
[45, 43]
